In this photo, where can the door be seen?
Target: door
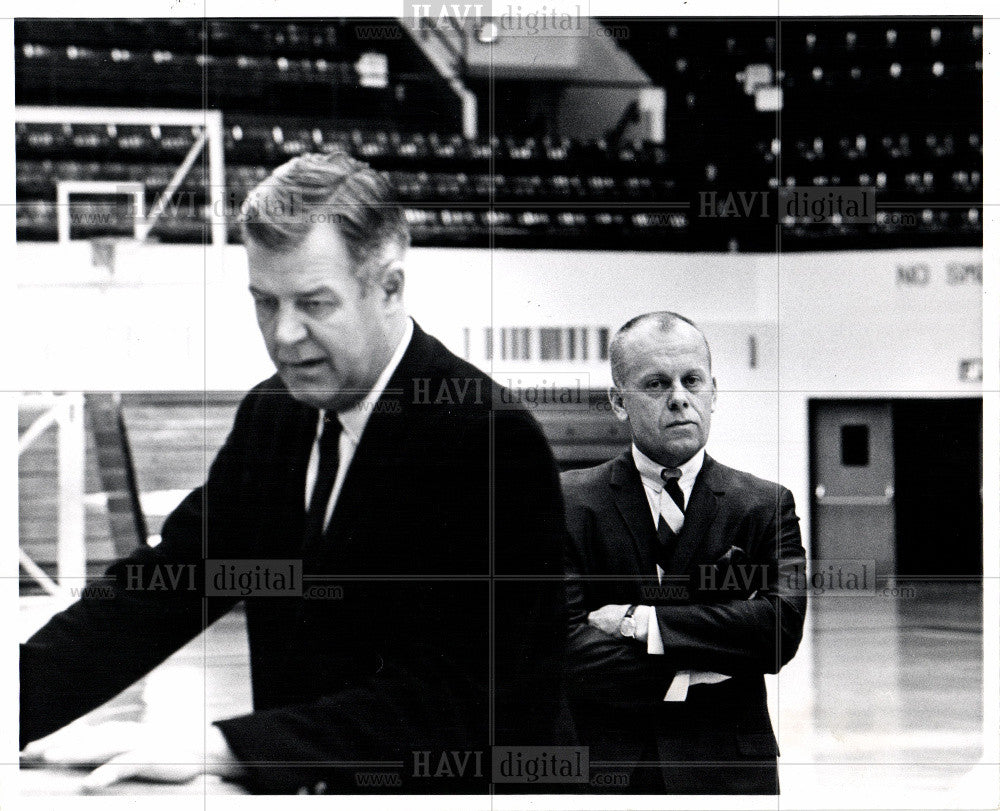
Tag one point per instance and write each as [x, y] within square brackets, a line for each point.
[939, 487]
[853, 476]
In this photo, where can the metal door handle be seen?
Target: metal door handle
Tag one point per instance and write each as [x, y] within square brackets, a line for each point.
[855, 501]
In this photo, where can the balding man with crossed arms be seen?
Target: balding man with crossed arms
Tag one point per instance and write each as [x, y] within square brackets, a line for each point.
[678, 570]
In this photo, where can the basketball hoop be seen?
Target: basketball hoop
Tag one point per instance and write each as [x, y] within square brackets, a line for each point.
[207, 125]
[104, 251]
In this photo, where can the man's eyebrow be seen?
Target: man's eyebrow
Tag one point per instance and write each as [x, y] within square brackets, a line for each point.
[313, 291]
[321, 290]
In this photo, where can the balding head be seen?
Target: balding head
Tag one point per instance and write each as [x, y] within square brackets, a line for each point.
[663, 385]
[662, 321]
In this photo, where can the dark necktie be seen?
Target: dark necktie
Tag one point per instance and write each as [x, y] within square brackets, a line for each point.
[671, 478]
[329, 460]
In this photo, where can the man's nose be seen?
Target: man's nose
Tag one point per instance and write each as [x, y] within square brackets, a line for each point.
[677, 398]
[288, 326]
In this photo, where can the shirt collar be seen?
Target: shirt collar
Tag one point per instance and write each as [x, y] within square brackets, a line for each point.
[650, 470]
[354, 419]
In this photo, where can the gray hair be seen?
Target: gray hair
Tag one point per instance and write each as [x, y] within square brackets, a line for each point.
[333, 188]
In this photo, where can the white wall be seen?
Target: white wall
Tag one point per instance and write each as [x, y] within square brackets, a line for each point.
[831, 324]
[579, 288]
[849, 328]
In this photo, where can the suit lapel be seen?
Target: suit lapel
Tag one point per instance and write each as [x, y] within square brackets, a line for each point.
[306, 423]
[369, 475]
[699, 515]
[379, 449]
[629, 498]
[291, 426]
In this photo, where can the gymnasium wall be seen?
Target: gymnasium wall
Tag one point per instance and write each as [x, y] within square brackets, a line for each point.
[847, 324]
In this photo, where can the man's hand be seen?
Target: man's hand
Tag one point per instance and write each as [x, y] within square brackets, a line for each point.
[608, 618]
[81, 744]
[134, 751]
[165, 761]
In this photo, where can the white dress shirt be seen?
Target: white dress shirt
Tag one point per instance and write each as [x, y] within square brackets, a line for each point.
[353, 421]
[662, 505]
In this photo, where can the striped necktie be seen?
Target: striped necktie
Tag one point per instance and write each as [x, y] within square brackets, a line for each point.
[664, 533]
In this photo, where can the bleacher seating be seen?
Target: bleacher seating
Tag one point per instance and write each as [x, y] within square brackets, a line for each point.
[891, 105]
[279, 66]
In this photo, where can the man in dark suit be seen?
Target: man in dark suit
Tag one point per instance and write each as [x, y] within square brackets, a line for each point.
[680, 584]
[376, 459]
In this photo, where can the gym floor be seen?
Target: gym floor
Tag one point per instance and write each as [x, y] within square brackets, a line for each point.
[884, 699]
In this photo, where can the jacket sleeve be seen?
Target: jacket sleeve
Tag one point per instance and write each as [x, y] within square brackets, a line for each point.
[421, 698]
[529, 606]
[615, 672]
[145, 608]
[758, 635]
[425, 696]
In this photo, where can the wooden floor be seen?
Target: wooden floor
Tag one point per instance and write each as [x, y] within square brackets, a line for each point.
[883, 700]
[895, 699]
[172, 447]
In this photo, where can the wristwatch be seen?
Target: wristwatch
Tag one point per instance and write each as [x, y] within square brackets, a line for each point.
[627, 627]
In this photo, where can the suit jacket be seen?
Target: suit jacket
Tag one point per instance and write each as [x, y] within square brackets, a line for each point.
[402, 661]
[725, 605]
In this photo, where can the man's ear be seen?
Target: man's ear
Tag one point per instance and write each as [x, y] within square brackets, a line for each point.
[392, 283]
[617, 403]
[715, 393]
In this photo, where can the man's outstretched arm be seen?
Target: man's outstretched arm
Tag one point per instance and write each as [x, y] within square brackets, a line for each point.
[148, 606]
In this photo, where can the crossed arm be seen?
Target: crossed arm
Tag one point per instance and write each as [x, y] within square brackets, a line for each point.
[725, 636]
